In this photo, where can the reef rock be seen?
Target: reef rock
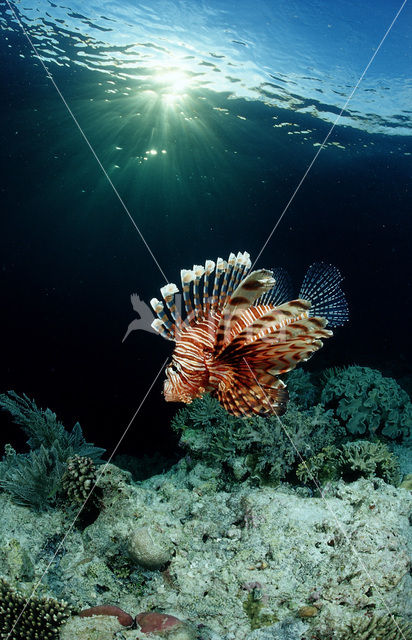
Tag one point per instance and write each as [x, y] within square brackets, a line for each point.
[241, 564]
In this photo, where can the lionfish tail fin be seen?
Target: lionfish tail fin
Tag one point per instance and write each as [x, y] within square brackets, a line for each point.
[321, 287]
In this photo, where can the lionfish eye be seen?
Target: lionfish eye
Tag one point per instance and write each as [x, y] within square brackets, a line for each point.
[173, 367]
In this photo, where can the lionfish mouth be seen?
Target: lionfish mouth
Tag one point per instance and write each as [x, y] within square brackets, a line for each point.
[173, 396]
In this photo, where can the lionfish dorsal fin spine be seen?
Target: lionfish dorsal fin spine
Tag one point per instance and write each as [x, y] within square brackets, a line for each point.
[235, 264]
[244, 260]
[187, 276]
[199, 271]
[168, 294]
[159, 326]
[162, 325]
[209, 266]
[226, 278]
[220, 269]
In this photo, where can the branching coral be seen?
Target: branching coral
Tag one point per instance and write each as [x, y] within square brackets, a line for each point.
[78, 480]
[378, 627]
[368, 459]
[367, 403]
[34, 619]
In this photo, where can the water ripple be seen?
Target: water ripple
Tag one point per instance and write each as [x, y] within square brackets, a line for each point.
[288, 55]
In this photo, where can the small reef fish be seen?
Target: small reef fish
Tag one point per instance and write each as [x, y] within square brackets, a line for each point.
[239, 331]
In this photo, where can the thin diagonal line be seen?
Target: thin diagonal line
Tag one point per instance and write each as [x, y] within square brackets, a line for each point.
[328, 134]
[99, 475]
[322, 495]
[87, 141]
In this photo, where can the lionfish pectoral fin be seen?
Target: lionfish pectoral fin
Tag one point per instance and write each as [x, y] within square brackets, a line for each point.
[243, 297]
[253, 398]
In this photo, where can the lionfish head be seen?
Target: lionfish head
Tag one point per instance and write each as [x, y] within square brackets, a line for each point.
[178, 387]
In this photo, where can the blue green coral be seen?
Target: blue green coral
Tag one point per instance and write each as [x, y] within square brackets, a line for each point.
[368, 404]
[303, 388]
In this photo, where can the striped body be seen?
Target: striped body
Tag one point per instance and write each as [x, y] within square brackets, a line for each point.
[235, 342]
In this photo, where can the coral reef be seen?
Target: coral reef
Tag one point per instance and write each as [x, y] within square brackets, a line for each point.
[302, 387]
[264, 449]
[216, 547]
[35, 618]
[350, 461]
[34, 479]
[266, 553]
[367, 403]
[378, 627]
[78, 479]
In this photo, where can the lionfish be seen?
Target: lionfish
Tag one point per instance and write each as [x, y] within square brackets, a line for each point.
[240, 331]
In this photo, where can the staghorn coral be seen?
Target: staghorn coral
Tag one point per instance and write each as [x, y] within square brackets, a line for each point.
[264, 449]
[40, 618]
[367, 403]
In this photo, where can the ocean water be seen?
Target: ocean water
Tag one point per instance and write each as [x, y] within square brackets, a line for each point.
[204, 117]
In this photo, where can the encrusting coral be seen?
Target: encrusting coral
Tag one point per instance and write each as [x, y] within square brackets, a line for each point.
[40, 618]
[368, 403]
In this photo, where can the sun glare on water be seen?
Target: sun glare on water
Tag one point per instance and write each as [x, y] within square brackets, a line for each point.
[172, 85]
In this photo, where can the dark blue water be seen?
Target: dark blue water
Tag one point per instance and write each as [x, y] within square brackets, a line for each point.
[205, 117]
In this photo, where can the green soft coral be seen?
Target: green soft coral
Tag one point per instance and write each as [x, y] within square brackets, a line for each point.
[368, 403]
[265, 449]
[350, 461]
